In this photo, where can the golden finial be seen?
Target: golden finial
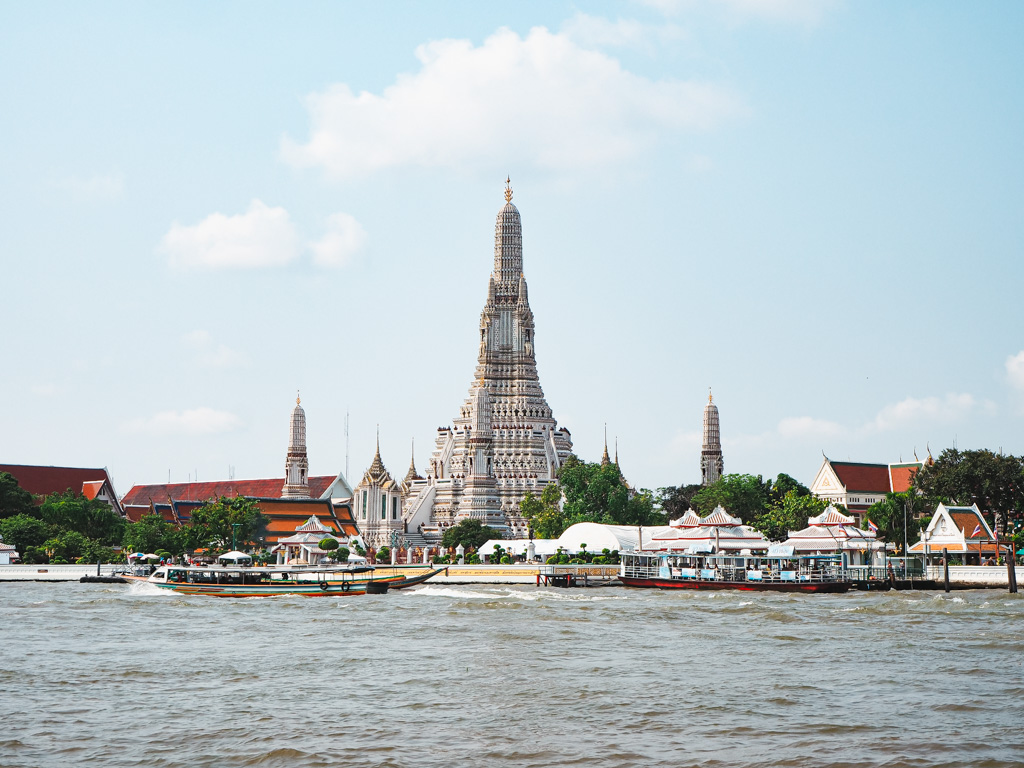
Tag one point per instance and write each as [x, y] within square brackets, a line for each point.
[709, 395]
[508, 189]
[298, 400]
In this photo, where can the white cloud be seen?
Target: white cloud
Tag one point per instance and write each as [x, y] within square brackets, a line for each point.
[260, 237]
[807, 427]
[1015, 370]
[541, 100]
[344, 238]
[914, 410]
[596, 31]
[209, 354]
[98, 188]
[199, 421]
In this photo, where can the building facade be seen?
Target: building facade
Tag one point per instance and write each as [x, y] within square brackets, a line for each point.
[378, 504]
[504, 441]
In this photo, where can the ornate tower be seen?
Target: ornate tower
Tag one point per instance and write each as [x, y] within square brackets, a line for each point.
[378, 501]
[504, 441]
[711, 463]
[296, 466]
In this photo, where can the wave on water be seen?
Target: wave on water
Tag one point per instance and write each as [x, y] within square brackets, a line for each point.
[436, 591]
[144, 588]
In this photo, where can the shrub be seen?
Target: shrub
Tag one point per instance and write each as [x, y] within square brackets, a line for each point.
[506, 560]
[383, 555]
[328, 544]
[342, 554]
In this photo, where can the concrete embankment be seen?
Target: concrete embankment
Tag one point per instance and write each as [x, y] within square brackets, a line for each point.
[54, 572]
[592, 575]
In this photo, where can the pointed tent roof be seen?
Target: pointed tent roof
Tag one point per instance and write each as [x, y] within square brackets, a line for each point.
[689, 520]
[830, 516]
[720, 517]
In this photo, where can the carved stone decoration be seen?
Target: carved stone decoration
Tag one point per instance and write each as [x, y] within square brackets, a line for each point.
[477, 467]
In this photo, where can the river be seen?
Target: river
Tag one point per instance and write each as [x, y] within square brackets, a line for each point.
[112, 675]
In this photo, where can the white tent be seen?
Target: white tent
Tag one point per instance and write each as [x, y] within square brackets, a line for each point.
[235, 557]
[597, 537]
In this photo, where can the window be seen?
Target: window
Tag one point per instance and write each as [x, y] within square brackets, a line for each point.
[383, 507]
[364, 505]
[394, 508]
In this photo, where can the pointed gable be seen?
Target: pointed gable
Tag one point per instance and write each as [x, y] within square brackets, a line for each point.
[830, 516]
[721, 518]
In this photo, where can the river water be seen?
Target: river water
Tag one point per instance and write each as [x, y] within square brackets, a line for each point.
[112, 675]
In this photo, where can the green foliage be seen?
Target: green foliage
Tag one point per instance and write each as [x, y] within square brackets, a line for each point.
[216, 518]
[593, 493]
[545, 515]
[470, 533]
[742, 496]
[894, 512]
[599, 494]
[673, 501]
[23, 531]
[342, 554]
[383, 555]
[328, 544]
[14, 500]
[788, 514]
[67, 546]
[506, 560]
[993, 481]
[151, 533]
[751, 497]
[92, 518]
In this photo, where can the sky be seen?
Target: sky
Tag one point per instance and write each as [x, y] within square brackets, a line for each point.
[816, 209]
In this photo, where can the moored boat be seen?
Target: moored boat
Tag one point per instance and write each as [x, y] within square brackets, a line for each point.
[778, 571]
[245, 581]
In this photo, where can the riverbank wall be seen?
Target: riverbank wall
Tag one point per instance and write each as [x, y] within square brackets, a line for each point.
[960, 576]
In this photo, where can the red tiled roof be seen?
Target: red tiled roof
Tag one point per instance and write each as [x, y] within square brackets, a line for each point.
[266, 489]
[42, 481]
[858, 478]
[902, 476]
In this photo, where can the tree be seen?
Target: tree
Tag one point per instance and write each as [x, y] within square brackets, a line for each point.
[789, 514]
[14, 500]
[470, 533]
[383, 555]
[217, 518]
[23, 531]
[742, 496]
[342, 555]
[599, 494]
[66, 547]
[545, 515]
[896, 513]
[674, 500]
[151, 533]
[94, 519]
[328, 544]
[784, 484]
[993, 481]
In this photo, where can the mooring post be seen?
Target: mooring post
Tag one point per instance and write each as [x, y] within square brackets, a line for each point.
[1011, 568]
[945, 567]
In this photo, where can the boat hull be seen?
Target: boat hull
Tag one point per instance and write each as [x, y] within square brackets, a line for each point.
[332, 588]
[744, 586]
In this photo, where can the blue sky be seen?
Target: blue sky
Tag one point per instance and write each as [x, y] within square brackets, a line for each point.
[814, 208]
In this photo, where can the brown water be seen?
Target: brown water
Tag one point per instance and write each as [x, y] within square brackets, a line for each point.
[109, 675]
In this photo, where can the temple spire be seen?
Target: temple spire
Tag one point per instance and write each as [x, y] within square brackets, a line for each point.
[711, 464]
[605, 461]
[508, 189]
[296, 465]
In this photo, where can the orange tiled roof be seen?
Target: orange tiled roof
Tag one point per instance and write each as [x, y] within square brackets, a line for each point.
[42, 481]
[263, 488]
[902, 476]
